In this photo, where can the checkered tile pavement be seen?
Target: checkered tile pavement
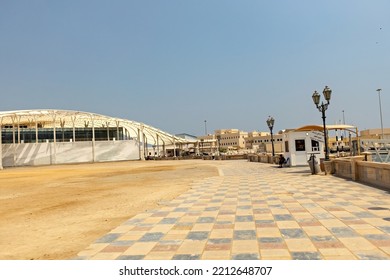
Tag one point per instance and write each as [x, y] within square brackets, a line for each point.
[257, 211]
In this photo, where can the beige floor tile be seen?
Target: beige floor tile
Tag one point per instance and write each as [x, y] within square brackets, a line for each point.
[153, 220]
[143, 216]
[191, 247]
[300, 245]
[105, 256]
[341, 214]
[122, 229]
[140, 248]
[132, 236]
[159, 256]
[244, 246]
[287, 224]
[245, 226]
[268, 232]
[357, 244]
[203, 227]
[316, 231]
[176, 214]
[302, 215]
[93, 249]
[188, 219]
[316, 210]
[221, 233]
[179, 231]
[176, 236]
[226, 218]
[277, 211]
[216, 255]
[335, 252]
[341, 257]
[369, 231]
[210, 213]
[376, 221]
[274, 254]
[362, 226]
[329, 223]
[162, 228]
[263, 216]
[385, 249]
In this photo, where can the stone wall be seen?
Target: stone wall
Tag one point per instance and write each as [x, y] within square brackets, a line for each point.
[368, 172]
[263, 158]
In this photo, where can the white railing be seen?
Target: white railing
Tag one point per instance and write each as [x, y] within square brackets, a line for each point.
[379, 147]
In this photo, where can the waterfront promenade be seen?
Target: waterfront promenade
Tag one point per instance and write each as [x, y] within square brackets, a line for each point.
[257, 211]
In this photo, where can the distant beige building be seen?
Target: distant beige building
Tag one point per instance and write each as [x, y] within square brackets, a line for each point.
[231, 139]
[261, 142]
[375, 133]
[236, 140]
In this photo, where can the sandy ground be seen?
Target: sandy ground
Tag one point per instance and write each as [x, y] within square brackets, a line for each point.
[53, 212]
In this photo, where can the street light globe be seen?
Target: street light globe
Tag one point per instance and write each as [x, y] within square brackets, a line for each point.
[270, 122]
[316, 98]
[327, 93]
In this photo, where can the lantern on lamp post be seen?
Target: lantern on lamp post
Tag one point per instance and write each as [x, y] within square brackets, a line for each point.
[322, 108]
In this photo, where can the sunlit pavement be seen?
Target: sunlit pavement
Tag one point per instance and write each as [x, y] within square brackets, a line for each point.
[257, 211]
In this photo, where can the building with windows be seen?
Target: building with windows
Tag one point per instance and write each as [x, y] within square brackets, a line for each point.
[299, 144]
[231, 139]
[37, 137]
[261, 142]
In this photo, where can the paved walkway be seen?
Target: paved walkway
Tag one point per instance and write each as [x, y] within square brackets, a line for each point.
[257, 211]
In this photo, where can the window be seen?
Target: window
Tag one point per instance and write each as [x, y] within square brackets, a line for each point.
[286, 147]
[300, 145]
[315, 146]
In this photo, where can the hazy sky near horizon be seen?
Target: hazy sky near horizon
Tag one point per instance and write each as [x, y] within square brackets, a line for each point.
[173, 64]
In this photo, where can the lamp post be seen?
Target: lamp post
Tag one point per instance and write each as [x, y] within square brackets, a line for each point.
[322, 108]
[270, 123]
[380, 110]
[205, 127]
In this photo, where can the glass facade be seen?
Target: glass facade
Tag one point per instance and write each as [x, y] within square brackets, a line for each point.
[28, 135]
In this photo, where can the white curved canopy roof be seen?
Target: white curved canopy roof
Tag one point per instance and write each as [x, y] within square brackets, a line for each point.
[69, 118]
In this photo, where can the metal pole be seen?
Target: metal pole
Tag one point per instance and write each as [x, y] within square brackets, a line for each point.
[205, 127]
[325, 133]
[380, 110]
[272, 143]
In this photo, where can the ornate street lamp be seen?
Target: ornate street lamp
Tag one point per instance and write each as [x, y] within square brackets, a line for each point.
[322, 108]
[270, 123]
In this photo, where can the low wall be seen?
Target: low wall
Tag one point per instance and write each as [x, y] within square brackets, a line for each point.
[25, 154]
[368, 172]
[263, 158]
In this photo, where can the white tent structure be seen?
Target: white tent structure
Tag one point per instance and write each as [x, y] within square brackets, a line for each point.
[34, 137]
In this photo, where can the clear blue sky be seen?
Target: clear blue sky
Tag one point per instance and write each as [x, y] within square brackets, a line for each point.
[173, 64]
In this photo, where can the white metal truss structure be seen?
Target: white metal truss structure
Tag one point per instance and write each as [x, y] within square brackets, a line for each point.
[60, 119]
[380, 146]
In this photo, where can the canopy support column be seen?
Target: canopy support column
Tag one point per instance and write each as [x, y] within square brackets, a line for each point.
[74, 128]
[36, 130]
[93, 139]
[117, 130]
[141, 141]
[158, 145]
[174, 147]
[13, 141]
[54, 139]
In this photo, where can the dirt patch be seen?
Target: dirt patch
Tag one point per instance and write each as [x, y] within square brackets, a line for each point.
[54, 212]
